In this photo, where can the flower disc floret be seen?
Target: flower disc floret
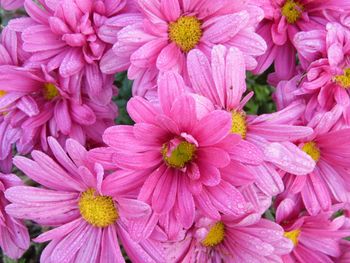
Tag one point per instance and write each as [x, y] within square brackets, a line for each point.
[50, 91]
[215, 236]
[343, 80]
[97, 210]
[292, 11]
[239, 125]
[293, 236]
[180, 155]
[185, 32]
[312, 149]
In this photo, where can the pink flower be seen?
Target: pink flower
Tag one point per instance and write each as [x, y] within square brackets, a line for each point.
[14, 237]
[10, 54]
[246, 239]
[171, 28]
[37, 102]
[267, 139]
[11, 50]
[327, 79]
[11, 4]
[316, 238]
[77, 35]
[345, 248]
[176, 155]
[328, 182]
[87, 220]
[285, 18]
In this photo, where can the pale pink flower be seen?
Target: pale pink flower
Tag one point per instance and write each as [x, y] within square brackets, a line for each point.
[285, 18]
[14, 237]
[171, 28]
[316, 238]
[245, 239]
[329, 182]
[178, 154]
[11, 4]
[72, 36]
[267, 139]
[38, 103]
[87, 220]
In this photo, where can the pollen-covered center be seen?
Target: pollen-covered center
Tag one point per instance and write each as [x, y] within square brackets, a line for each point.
[343, 80]
[50, 91]
[215, 236]
[178, 154]
[311, 149]
[239, 124]
[293, 235]
[2, 93]
[185, 32]
[292, 11]
[97, 210]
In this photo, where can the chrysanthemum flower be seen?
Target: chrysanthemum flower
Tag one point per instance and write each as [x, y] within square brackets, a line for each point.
[328, 182]
[14, 237]
[177, 153]
[170, 29]
[327, 79]
[72, 36]
[11, 4]
[87, 221]
[285, 18]
[315, 238]
[345, 248]
[11, 53]
[38, 103]
[246, 239]
[267, 138]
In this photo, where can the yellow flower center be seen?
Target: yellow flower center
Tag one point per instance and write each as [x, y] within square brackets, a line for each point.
[97, 210]
[311, 149]
[185, 32]
[343, 80]
[239, 124]
[180, 155]
[215, 236]
[293, 235]
[2, 93]
[50, 91]
[292, 11]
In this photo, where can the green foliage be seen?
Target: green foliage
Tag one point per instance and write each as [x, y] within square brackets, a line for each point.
[262, 101]
[124, 94]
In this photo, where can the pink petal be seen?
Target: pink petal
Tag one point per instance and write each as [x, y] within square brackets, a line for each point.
[206, 136]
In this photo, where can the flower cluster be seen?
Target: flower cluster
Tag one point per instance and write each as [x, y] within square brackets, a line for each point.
[197, 177]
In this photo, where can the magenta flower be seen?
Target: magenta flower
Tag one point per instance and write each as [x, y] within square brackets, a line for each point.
[176, 155]
[327, 79]
[11, 53]
[37, 102]
[316, 238]
[285, 18]
[170, 29]
[87, 221]
[11, 4]
[14, 237]
[267, 139]
[328, 182]
[345, 248]
[77, 34]
[249, 238]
